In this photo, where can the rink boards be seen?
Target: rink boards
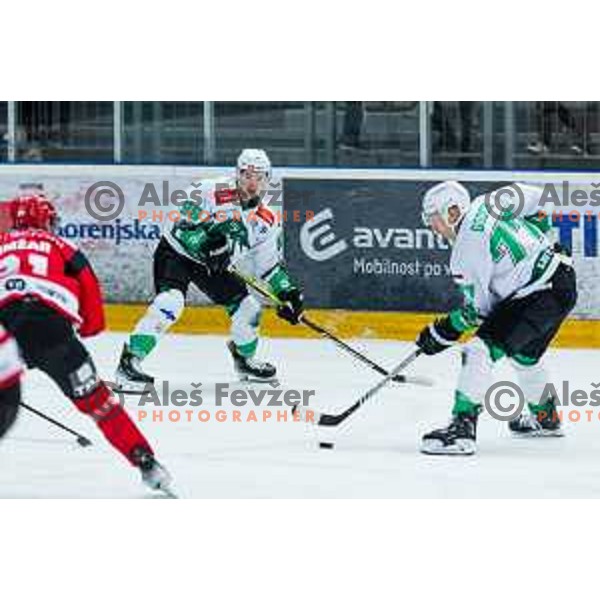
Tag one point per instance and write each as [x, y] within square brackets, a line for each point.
[575, 333]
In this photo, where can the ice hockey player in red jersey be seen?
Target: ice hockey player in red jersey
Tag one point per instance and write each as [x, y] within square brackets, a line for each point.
[49, 299]
[10, 381]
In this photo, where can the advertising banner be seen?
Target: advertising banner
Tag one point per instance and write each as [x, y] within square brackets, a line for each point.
[120, 241]
[367, 249]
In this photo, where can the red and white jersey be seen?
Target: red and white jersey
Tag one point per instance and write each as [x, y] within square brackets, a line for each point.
[10, 363]
[37, 263]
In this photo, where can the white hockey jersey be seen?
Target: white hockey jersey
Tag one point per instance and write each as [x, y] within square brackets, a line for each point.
[256, 233]
[10, 363]
[494, 259]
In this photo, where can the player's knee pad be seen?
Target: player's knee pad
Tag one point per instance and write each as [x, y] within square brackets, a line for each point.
[10, 396]
[533, 379]
[245, 321]
[477, 365]
[164, 311]
[477, 354]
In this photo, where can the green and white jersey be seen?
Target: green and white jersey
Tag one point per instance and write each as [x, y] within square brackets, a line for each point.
[213, 208]
[494, 259]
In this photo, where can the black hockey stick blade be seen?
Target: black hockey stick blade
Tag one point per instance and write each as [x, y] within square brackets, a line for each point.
[81, 439]
[323, 419]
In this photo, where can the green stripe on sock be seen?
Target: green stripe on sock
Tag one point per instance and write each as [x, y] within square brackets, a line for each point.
[464, 405]
[545, 407]
[142, 344]
[496, 353]
[248, 350]
[526, 361]
[232, 307]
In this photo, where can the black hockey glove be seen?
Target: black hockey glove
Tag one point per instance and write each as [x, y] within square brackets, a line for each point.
[560, 249]
[218, 254]
[437, 337]
[293, 305]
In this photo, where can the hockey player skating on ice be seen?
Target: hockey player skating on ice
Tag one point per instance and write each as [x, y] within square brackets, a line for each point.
[229, 218]
[517, 290]
[48, 290]
[10, 381]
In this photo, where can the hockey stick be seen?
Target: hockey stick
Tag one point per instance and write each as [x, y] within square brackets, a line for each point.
[328, 420]
[81, 439]
[366, 360]
[256, 285]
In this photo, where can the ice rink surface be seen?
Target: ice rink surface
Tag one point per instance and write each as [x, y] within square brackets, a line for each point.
[376, 456]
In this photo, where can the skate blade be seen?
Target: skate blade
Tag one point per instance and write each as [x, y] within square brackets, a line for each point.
[128, 392]
[543, 433]
[161, 493]
[250, 379]
[130, 388]
[459, 448]
[168, 493]
[164, 489]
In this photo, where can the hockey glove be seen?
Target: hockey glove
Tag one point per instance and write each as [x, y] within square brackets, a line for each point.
[437, 337]
[560, 249]
[218, 254]
[293, 305]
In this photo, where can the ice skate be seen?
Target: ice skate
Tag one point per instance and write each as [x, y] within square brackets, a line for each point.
[458, 438]
[129, 377]
[250, 369]
[543, 421]
[154, 475]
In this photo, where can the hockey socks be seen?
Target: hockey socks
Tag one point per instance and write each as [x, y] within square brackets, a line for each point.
[161, 315]
[114, 423]
[463, 405]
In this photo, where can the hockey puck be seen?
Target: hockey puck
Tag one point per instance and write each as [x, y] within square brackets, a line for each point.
[327, 445]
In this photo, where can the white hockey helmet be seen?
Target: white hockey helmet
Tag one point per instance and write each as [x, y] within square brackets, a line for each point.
[441, 197]
[257, 160]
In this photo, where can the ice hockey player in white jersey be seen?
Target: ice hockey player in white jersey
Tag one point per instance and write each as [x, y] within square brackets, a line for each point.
[517, 289]
[10, 381]
[228, 221]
